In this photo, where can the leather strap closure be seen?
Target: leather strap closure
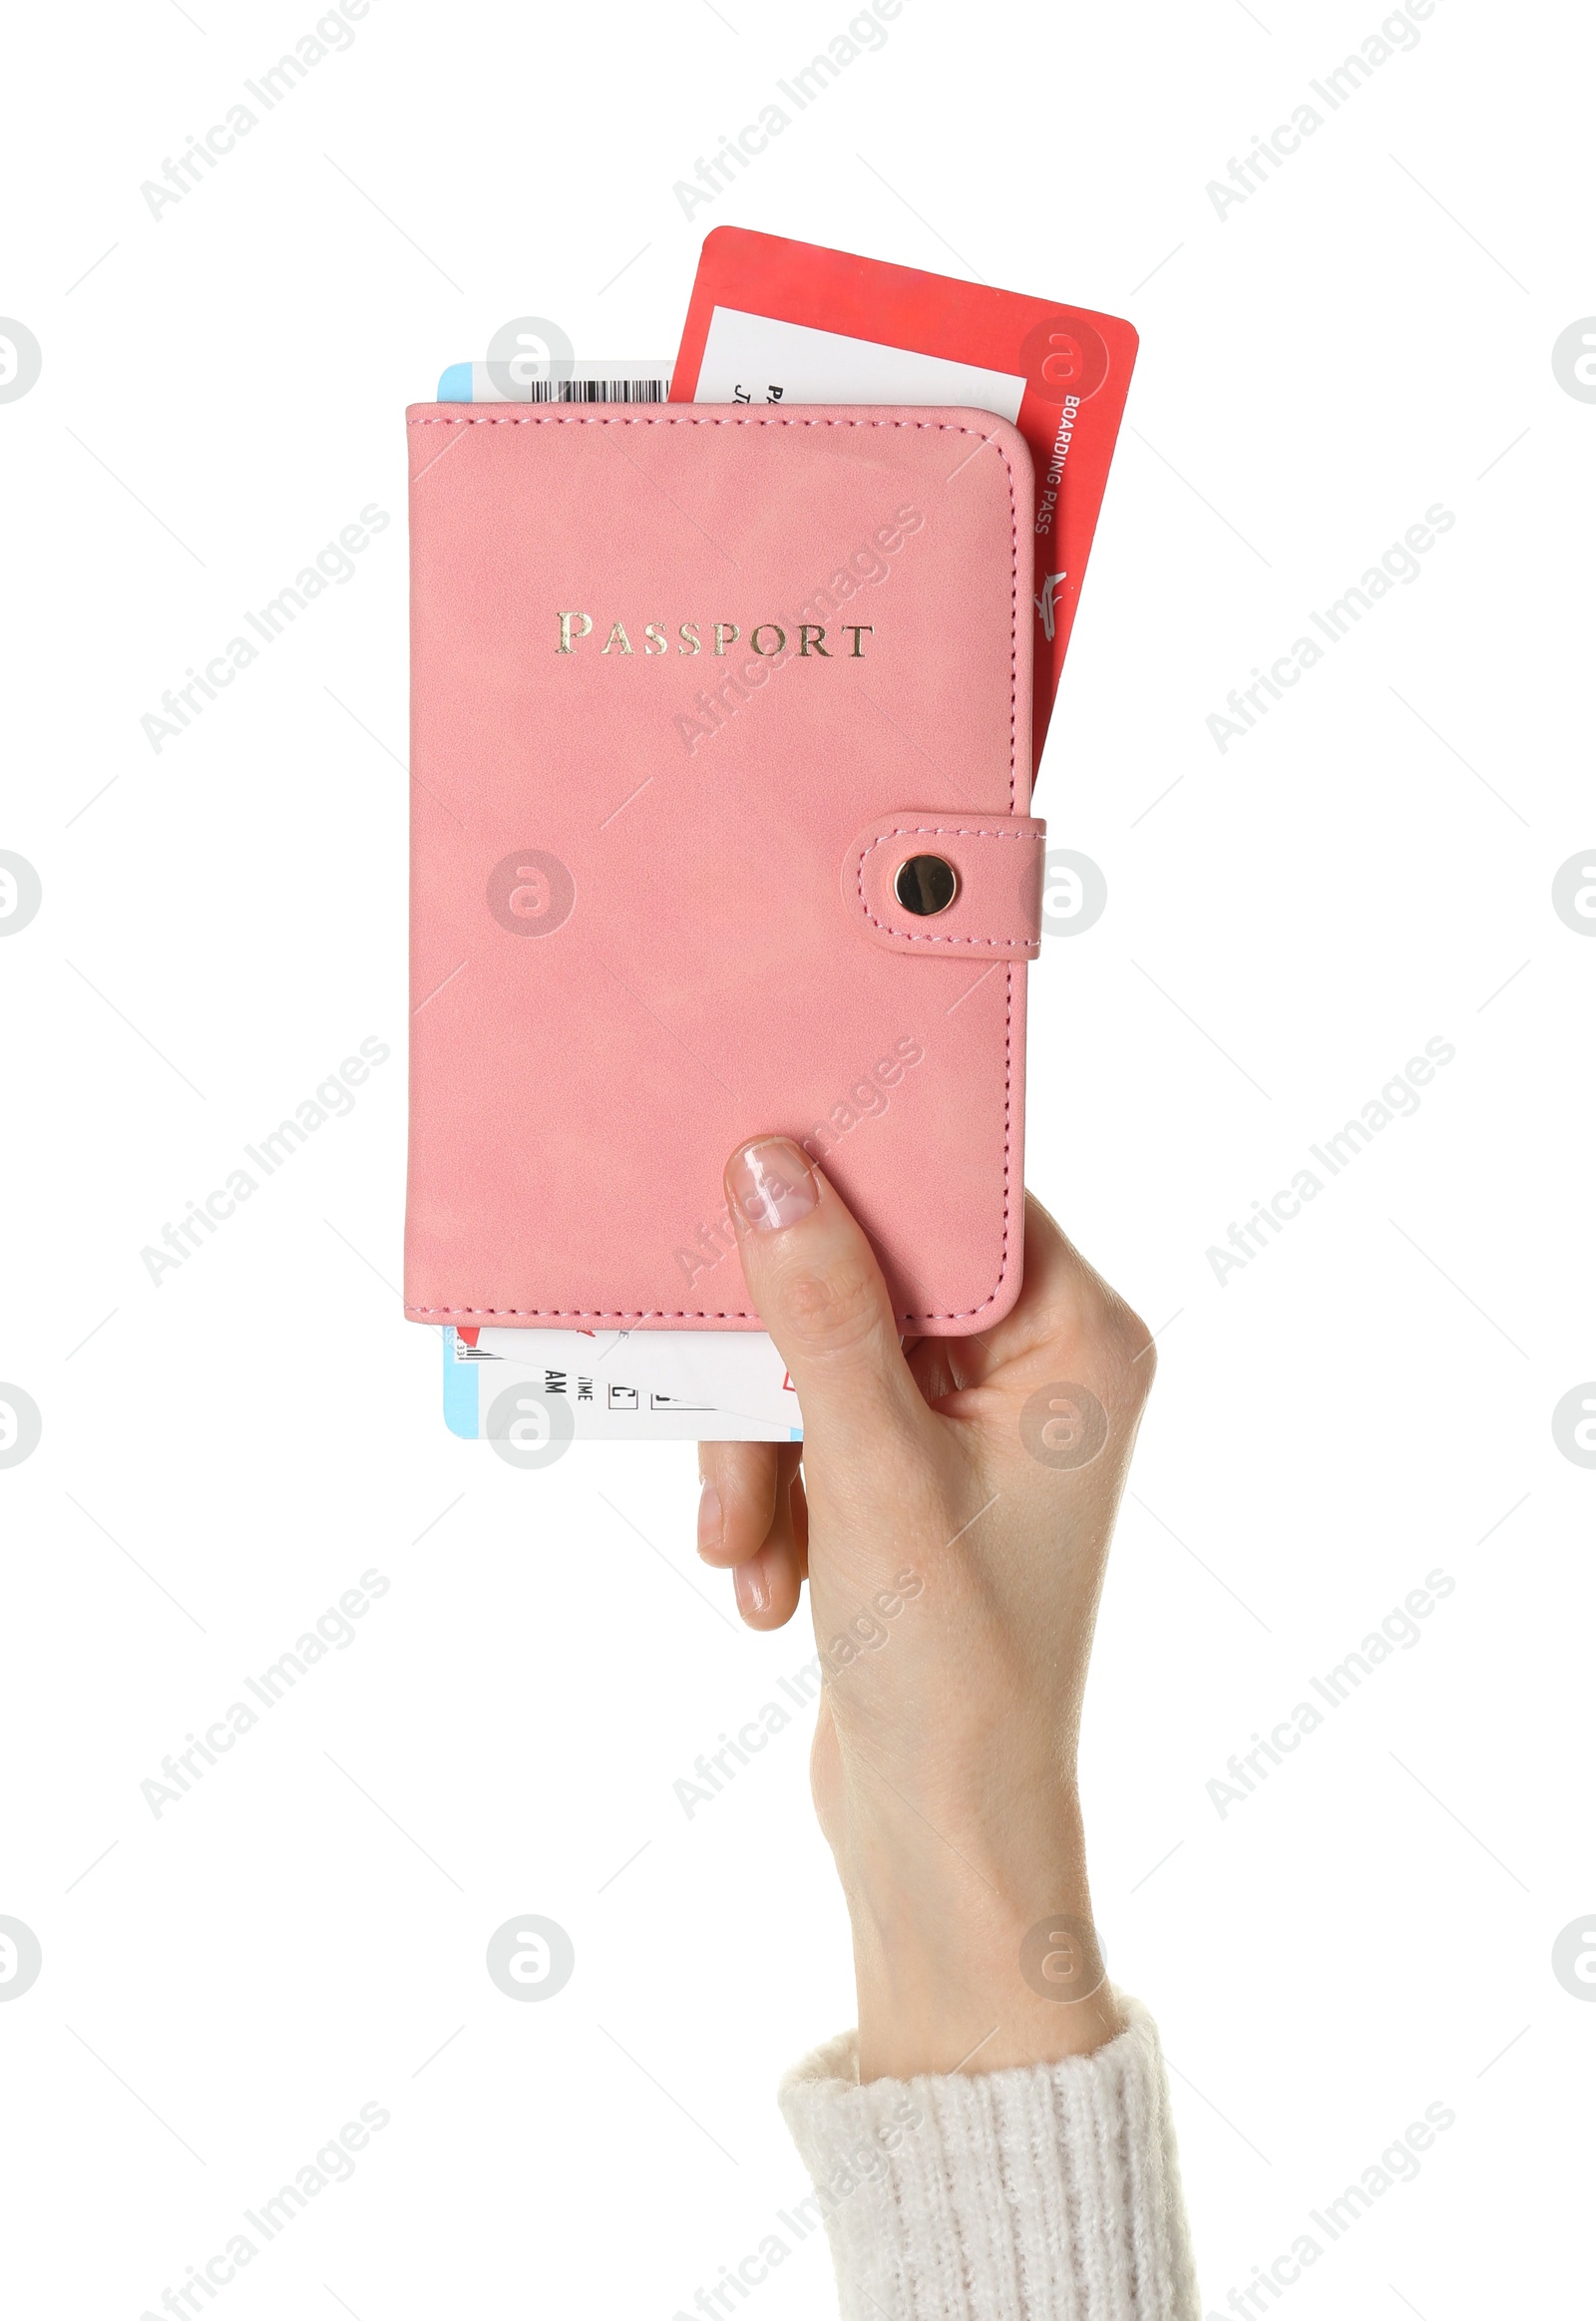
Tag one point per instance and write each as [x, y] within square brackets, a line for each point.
[997, 859]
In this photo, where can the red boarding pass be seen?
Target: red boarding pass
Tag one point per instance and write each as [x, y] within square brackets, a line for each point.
[774, 322]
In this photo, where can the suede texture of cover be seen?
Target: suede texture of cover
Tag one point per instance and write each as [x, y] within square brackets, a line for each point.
[652, 887]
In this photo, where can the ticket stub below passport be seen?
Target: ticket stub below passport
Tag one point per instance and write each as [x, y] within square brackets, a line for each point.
[531, 1391]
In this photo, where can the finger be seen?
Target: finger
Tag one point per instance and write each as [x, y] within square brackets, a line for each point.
[1057, 1276]
[738, 1501]
[814, 1278]
[768, 1586]
[768, 1583]
[939, 1366]
[1065, 1303]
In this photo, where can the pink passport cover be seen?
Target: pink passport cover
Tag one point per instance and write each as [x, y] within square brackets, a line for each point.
[653, 906]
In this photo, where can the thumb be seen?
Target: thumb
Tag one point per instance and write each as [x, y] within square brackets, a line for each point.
[820, 1293]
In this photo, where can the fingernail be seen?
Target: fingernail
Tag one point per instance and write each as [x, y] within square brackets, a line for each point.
[710, 1520]
[753, 1588]
[769, 1185]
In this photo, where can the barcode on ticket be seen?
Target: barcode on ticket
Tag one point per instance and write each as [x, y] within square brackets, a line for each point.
[655, 390]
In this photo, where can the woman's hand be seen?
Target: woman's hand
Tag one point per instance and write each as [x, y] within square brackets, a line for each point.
[952, 1514]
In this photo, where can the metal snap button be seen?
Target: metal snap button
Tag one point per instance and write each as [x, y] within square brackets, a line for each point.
[925, 885]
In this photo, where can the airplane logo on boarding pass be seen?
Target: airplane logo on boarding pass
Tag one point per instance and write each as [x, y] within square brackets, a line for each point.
[1044, 603]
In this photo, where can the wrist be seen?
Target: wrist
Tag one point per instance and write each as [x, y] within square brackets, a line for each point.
[975, 1948]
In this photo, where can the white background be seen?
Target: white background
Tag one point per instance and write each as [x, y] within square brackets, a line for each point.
[1369, 333]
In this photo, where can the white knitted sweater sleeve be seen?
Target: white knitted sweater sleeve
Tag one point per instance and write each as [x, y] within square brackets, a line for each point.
[1047, 2193]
